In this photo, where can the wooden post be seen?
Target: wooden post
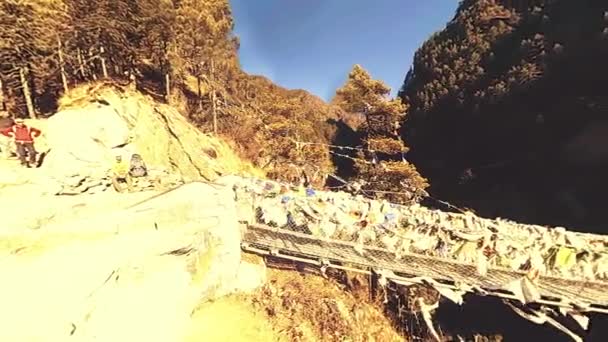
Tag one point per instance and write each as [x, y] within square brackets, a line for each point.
[81, 64]
[64, 79]
[26, 92]
[213, 104]
[104, 70]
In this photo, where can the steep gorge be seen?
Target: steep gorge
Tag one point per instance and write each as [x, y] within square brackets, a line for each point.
[508, 108]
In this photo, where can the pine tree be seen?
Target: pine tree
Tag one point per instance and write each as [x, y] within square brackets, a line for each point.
[381, 165]
[202, 34]
[28, 53]
[156, 28]
[105, 30]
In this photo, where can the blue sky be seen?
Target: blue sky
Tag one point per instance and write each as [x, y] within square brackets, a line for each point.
[313, 44]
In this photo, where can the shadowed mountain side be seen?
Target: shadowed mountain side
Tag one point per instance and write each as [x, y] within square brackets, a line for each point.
[507, 110]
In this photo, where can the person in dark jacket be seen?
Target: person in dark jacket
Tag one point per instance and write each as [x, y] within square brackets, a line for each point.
[23, 136]
[138, 167]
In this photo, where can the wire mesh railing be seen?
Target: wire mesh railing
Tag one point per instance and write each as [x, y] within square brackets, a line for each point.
[459, 250]
[403, 230]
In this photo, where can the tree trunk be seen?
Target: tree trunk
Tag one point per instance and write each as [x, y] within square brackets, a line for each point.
[91, 65]
[26, 93]
[167, 85]
[64, 78]
[200, 95]
[2, 99]
[104, 70]
[81, 64]
[213, 104]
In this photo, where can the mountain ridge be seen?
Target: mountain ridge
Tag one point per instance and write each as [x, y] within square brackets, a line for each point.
[498, 101]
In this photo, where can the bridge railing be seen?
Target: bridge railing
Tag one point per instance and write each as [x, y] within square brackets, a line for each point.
[403, 230]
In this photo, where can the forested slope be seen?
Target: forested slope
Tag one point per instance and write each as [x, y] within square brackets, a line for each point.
[181, 52]
[508, 109]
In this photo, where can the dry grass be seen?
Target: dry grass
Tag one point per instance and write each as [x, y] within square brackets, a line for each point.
[230, 319]
[292, 307]
[310, 308]
[230, 160]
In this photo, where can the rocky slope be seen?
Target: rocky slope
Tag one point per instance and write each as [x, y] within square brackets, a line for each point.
[80, 142]
[98, 265]
[96, 122]
[118, 267]
[508, 110]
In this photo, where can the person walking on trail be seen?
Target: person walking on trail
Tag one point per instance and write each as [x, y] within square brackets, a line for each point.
[120, 174]
[23, 136]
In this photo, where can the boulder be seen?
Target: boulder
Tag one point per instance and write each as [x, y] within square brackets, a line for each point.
[134, 274]
[164, 138]
[80, 145]
[95, 123]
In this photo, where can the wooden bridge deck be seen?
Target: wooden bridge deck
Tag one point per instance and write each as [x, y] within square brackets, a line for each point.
[590, 296]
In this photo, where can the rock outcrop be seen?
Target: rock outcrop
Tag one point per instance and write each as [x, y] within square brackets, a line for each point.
[98, 123]
[117, 267]
[135, 274]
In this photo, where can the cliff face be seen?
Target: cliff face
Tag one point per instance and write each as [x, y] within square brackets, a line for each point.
[508, 108]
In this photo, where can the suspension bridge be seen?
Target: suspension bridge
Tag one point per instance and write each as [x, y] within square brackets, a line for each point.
[573, 293]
